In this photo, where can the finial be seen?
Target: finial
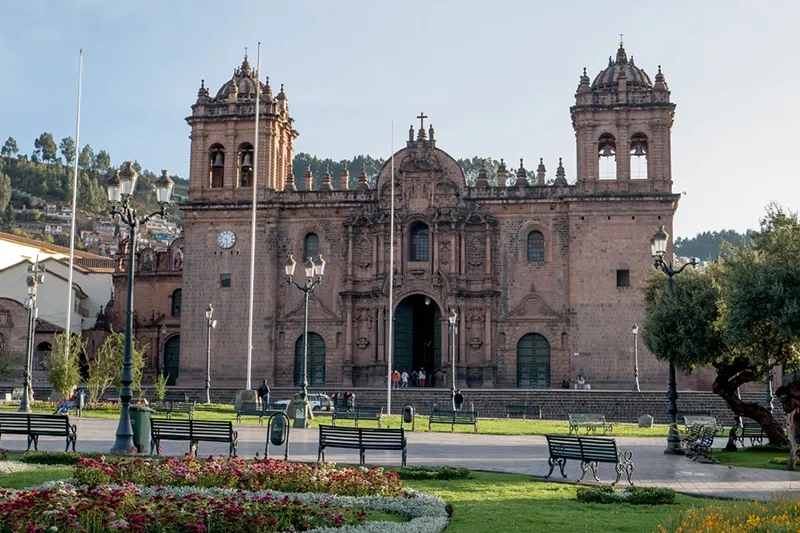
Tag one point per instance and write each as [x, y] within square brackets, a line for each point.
[584, 71]
[326, 184]
[483, 176]
[363, 182]
[430, 132]
[245, 52]
[620, 39]
[203, 82]
[281, 87]
[610, 61]
[520, 163]
[659, 69]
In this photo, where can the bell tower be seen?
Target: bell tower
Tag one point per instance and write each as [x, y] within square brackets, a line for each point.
[223, 139]
[623, 124]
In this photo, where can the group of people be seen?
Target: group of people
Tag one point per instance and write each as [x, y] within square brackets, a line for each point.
[348, 399]
[402, 380]
[580, 383]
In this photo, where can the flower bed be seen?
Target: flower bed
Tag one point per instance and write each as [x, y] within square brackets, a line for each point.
[774, 517]
[232, 472]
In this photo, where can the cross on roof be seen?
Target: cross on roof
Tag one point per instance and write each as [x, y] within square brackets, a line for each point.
[245, 52]
[422, 116]
[620, 38]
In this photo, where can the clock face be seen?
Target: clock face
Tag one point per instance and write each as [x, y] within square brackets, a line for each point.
[226, 239]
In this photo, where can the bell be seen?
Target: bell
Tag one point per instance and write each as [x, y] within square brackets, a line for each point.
[638, 151]
[218, 161]
[607, 151]
[247, 162]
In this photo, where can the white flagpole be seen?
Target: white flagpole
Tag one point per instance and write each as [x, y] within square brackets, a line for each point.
[253, 226]
[74, 208]
[390, 340]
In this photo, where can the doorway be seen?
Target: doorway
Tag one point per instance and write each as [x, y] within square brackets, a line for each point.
[418, 336]
[172, 359]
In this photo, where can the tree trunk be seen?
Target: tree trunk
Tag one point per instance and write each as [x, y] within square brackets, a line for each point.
[729, 378]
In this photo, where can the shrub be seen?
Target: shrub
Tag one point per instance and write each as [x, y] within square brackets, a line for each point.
[438, 473]
[769, 447]
[3, 454]
[57, 458]
[775, 516]
[779, 460]
[631, 495]
[160, 387]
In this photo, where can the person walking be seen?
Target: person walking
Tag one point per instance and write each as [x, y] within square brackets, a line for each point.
[415, 378]
[404, 380]
[395, 379]
[422, 377]
[458, 399]
[263, 393]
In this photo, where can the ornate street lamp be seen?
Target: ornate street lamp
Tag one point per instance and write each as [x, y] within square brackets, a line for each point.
[453, 319]
[658, 247]
[36, 277]
[635, 331]
[120, 189]
[314, 271]
[211, 325]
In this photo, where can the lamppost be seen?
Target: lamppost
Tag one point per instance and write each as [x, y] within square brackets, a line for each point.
[453, 318]
[769, 389]
[211, 325]
[635, 331]
[36, 277]
[658, 247]
[314, 271]
[120, 191]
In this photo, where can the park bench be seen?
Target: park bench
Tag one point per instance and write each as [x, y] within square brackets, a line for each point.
[517, 411]
[361, 412]
[16, 394]
[361, 439]
[699, 442]
[192, 431]
[175, 402]
[447, 416]
[690, 420]
[752, 431]
[35, 426]
[266, 412]
[589, 421]
[590, 451]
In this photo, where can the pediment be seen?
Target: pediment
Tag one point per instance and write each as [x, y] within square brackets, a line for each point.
[533, 306]
[316, 311]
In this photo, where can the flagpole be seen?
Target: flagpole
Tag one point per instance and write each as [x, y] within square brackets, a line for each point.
[68, 328]
[390, 340]
[253, 226]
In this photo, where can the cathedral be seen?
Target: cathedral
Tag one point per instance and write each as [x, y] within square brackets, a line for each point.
[544, 274]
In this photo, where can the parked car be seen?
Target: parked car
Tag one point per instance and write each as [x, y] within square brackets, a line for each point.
[319, 402]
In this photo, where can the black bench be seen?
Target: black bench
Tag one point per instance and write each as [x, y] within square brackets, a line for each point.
[523, 411]
[752, 431]
[590, 451]
[444, 416]
[192, 431]
[260, 413]
[361, 412]
[35, 426]
[699, 441]
[361, 439]
[590, 421]
[175, 402]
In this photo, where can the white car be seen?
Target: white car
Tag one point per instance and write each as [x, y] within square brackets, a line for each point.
[319, 402]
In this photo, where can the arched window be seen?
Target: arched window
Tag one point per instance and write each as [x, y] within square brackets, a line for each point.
[607, 154]
[176, 302]
[310, 247]
[535, 247]
[639, 156]
[533, 362]
[216, 166]
[315, 363]
[419, 242]
[245, 165]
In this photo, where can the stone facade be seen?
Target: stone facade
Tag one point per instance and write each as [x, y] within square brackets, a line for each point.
[544, 275]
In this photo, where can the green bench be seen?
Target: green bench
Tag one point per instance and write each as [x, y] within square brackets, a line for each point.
[34, 426]
[590, 451]
[361, 439]
[523, 411]
[447, 416]
[361, 412]
[192, 431]
[699, 440]
[175, 402]
[752, 431]
[702, 420]
[591, 422]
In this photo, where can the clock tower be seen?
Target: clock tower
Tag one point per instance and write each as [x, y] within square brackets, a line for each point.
[217, 222]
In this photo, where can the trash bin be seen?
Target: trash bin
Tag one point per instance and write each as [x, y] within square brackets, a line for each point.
[140, 421]
[408, 413]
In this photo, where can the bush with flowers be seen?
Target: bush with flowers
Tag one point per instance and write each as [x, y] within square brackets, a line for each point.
[777, 516]
[233, 472]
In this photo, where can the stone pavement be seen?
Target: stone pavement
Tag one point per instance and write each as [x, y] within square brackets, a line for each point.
[498, 453]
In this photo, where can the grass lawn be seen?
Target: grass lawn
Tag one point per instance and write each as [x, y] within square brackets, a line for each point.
[754, 458]
[486, 426]
[490, 502]
[34, 477]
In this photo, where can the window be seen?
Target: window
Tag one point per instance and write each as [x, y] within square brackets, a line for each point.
[225, 281]
[607, 154]
[310, 247]
[216, 166]
[245, 165]
[623, 278]
[535, 247]
[419, 242]
[176, 302]
[639, 156]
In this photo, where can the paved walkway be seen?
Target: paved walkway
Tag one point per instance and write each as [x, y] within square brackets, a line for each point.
[509, 454]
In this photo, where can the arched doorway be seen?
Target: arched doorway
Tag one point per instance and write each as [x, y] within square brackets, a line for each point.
[316, 360]
[533, 362]
[418, 335]
[41, 355]
[172, 358]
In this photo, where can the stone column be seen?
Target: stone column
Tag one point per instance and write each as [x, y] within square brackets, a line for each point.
[463, 256]
[347, 380]
[435, 248]
[452, 248]
[488, 250]
[381, 335]
[461, 359]
[349, 251]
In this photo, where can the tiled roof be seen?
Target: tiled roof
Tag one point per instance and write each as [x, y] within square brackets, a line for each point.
[43, 326]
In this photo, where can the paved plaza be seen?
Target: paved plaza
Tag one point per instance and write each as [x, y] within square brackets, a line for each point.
[498, 453]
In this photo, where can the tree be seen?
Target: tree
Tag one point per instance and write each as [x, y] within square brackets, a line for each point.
[105, 369]
[10, 148]
[64, 363]
[86, 157]
[102, 162]
[5, 191]
[46, 147]
[67, 147]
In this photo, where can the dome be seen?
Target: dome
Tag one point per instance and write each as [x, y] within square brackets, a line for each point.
[608, 77]
[244, 78]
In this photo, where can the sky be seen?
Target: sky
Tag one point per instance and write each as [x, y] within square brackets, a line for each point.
[496, 79]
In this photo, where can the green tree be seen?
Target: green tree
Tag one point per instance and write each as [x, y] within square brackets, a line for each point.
[102, 162]
[67, 148]
[105, 369]
[64, 366]
[5, 191]
[46, 147]
[10, 148]
[86, 157]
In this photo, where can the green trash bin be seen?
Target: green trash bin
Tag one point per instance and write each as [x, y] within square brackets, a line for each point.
[140, 421]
